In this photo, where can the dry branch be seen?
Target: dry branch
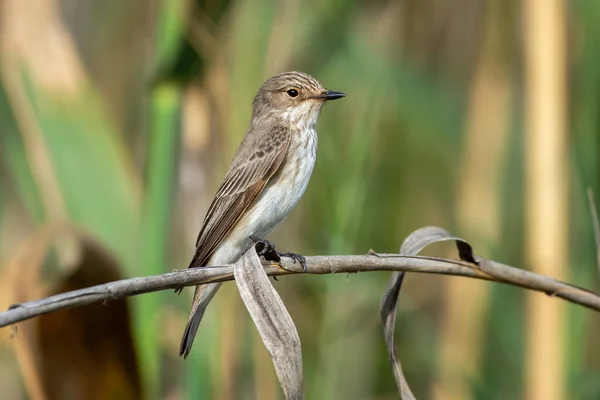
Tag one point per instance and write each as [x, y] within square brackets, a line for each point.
[486, 270]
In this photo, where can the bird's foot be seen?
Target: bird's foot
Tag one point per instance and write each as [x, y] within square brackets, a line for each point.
[267, 250]
[296, 257]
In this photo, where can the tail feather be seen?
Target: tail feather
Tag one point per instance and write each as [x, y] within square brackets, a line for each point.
[202, 296]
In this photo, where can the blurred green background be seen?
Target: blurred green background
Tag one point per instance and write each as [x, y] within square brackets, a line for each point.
[118, 120]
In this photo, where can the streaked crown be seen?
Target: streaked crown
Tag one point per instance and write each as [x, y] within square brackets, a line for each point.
[295, 79]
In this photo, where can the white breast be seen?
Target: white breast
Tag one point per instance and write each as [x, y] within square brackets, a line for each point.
[278, 198]
[286, 188]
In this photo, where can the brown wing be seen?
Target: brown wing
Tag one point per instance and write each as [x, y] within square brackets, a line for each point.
[255, 162]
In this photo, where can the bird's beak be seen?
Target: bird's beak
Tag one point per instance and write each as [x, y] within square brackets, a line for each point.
[329, 95]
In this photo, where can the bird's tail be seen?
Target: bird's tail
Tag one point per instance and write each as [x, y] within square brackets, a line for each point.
[202, 296]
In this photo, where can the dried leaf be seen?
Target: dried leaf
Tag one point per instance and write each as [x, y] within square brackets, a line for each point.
[411, 246]
[273, 322]
[423, 237]
[389, 305]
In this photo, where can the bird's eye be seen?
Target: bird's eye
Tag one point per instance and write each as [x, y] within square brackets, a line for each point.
[292, 93]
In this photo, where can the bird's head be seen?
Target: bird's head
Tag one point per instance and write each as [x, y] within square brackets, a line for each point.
[294, 97]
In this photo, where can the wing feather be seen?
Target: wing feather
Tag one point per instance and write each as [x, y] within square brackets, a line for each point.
[242, 185]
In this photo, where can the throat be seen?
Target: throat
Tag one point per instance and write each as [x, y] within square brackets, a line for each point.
[302, 118]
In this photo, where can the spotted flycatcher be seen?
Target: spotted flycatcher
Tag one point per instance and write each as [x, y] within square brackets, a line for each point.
[266, 178]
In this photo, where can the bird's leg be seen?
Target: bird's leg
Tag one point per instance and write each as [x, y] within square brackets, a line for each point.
[267, 250]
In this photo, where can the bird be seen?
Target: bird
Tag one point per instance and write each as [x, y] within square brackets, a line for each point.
[266, 178]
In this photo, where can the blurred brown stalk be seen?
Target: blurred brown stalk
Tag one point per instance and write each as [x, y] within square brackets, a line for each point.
[547, 188]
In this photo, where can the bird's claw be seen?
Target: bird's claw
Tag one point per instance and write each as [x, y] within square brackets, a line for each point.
[267, 250]
[296, 257]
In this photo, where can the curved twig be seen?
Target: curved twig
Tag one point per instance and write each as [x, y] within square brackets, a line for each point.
[486, 270]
